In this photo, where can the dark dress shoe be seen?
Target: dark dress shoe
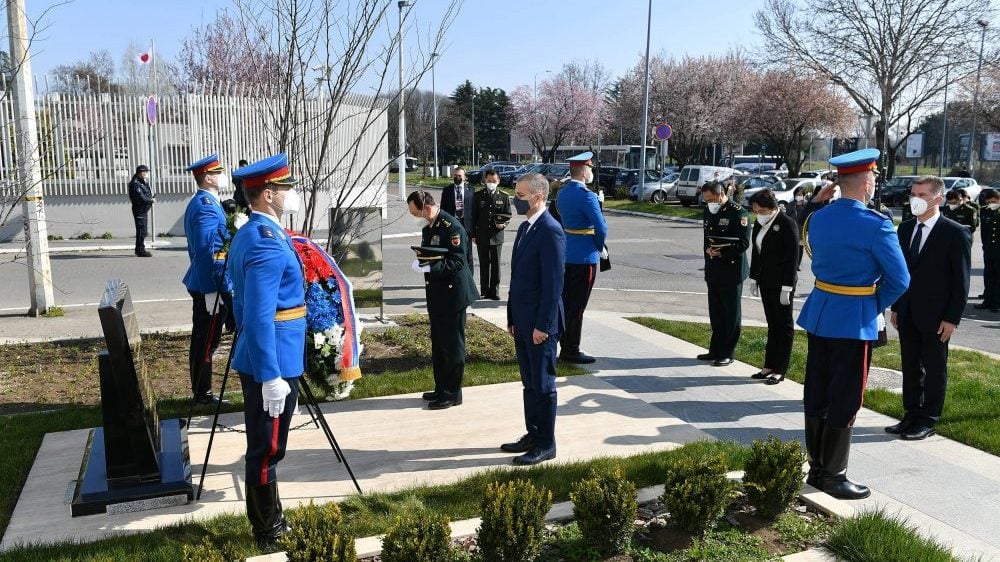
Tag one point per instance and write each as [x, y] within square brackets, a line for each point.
[760, 375]
[495, 297]
[900, 428]
[536, 456]
[522, 445]
[580, 358]
[774, 378]
[705, 357]
[430, 396]
[918, 433]
[722, 362]
[444, 403]
[210, 399]
[144, 255]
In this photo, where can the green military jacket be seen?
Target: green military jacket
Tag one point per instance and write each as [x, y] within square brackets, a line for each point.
[990, 233]
[729, 231]
[965, 215]
[490, 215]
[449, 284]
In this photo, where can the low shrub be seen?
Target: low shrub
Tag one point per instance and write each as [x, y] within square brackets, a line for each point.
[773, 476]
[696, 492]
[86, 236]
[419, 537]
[605, 508]
[206, 551]
[513, 520]
[107, 236]
[622, 192]
[317, 535]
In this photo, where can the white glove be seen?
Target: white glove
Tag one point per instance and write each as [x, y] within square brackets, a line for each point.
[754, 290]
[786, 296]
[210, 301]
[415, 266]
[274, 392]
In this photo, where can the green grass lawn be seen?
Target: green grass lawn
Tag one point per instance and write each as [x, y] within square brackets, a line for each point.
[972, 405]
[654, 208]
[372, 514]
[418, 179]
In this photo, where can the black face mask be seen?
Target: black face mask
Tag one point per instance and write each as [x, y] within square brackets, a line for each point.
[521, 205]
[457, 181]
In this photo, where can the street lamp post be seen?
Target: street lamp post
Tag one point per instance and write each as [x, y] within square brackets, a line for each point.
[401, 159]
[975, 97]
[944, 124]
[434, 99]
[645, 110]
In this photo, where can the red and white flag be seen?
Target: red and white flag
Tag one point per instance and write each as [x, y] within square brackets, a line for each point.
[144, 58]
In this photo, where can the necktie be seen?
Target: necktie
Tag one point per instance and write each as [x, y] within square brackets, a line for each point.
[915, 244]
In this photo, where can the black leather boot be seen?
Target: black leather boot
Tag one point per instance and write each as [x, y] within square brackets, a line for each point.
[836, 450]
[814, 448]
[266, 516]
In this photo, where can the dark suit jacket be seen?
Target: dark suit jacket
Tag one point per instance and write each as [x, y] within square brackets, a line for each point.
[939, 277]
[448, 205]
[776, 263]
[536, 278]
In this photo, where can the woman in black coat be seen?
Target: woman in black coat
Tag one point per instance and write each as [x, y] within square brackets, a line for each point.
[773, 272]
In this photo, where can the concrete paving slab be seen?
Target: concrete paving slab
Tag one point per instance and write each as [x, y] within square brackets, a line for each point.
[946, 489]
[391, 443]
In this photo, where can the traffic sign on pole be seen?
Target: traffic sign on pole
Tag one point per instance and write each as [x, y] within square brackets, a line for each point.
[151, 110]
[663, 131]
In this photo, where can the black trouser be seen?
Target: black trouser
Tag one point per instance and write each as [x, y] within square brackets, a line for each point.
[578, 281]
[140, 232]
[266, 436]
[991, 280]
[724, 315]
[925, 372]
[448, 352]
[489, 269]
[205, 333]
[538, 380]
[780, 329]
[836, 375]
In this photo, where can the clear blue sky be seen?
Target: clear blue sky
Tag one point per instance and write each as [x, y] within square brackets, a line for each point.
[495, 43]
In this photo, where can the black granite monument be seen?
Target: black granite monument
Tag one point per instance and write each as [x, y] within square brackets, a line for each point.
[135, 461]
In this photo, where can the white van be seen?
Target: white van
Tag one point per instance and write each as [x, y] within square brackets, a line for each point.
[693, 177]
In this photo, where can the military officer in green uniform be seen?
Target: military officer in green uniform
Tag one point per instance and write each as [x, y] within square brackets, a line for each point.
[990, 235]
[490, 215]
[450, 289]
[959, 210]
[727, 238]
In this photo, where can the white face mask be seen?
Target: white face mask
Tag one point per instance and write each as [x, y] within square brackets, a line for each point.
[221, 181]
[714, 207]
[953, 206]
[421, 222]
[800, 198]
[588, 176]
[764, 219]
[918, 206]
[994, 206]
[492, 186]
[291, 203]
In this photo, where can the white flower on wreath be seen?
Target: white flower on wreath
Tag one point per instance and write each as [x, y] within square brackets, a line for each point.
[319, 339]
[240, 220]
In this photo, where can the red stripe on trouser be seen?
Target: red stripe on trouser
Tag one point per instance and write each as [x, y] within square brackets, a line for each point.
[276, 425]
[590, 283]
[864, 379]
[208, 341]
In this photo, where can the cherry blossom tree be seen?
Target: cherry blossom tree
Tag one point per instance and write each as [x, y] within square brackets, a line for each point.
[562, 111]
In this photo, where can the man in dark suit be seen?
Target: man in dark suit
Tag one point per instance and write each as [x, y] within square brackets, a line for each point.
[773, 273]
[535, 316]
[456, 200]
[938, 255]
[490, 215]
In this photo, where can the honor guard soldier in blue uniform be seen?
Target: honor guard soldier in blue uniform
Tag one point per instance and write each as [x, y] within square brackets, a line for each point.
[206, 279]
[586, 231]
[860, 271]
[727, 238]
[269, 295]
[441, 258]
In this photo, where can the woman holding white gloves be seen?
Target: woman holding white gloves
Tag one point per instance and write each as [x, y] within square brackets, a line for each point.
[773, 273]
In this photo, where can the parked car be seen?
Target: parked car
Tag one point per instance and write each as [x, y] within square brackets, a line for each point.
[475, 177]
[760, 181]
[693, 177]
[556, 172]
[970, 185]
[784, 191]
[508, 179]
[607, 177]
[657, 191]
[814, 173]
[896, 191]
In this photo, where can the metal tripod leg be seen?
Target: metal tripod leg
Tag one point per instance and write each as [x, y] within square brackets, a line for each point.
[327, 431]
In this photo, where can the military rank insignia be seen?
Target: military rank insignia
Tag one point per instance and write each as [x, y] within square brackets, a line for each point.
[206, 200]
[743, 221]
[265, 231]
[435, 240]
[456, 240]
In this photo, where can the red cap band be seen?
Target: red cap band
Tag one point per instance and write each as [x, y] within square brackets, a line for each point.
[846, 170]
[258, 181]
[212, 166]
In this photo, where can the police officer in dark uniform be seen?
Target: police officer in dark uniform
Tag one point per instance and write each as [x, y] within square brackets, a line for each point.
[450, 289]
[860, 271]
[142, 200]
[271, 318]
[990, 234]
[960, 211]
[206, 279]
[727, 238]
[490, 215]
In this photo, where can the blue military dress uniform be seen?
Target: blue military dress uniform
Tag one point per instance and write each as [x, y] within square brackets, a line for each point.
[860, 271]
[269, 299]
[586, 231]
[207, 235]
